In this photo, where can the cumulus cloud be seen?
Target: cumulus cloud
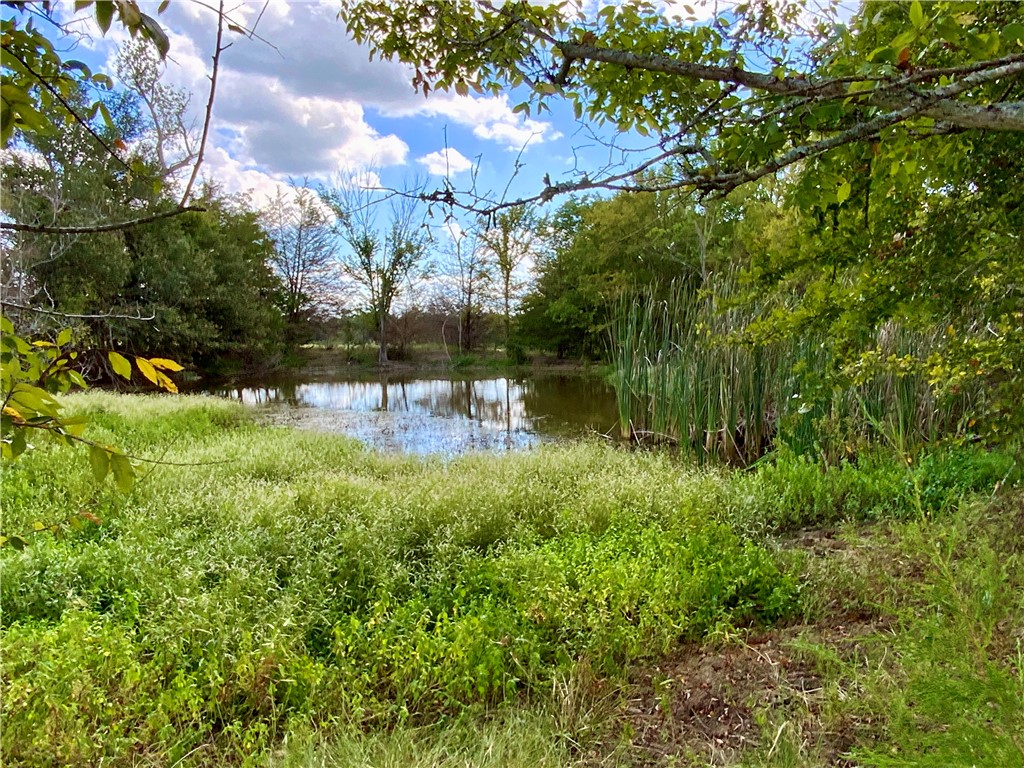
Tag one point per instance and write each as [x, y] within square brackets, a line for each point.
[445, 162]
[304, 102]
[489, 117]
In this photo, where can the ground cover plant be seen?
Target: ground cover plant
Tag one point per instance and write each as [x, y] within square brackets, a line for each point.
[297, 578]
[273, 595]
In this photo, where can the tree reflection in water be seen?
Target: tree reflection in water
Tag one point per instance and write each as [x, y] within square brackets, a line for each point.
[441, 415]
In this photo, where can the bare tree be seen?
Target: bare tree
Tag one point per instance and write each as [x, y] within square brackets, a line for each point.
[511, 239]
[170, 140]
[468, 271]
[305, 247]
[378, 258]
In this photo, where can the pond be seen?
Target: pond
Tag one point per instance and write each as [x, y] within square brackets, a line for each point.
[423, 415]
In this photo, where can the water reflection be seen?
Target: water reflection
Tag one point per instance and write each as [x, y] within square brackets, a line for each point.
[441, 415]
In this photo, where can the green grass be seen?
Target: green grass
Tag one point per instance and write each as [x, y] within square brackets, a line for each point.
[289, 598]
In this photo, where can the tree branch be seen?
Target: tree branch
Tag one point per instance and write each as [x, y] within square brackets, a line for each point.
[217, 50]
[70, 110]
[75, 315]
[14, 226]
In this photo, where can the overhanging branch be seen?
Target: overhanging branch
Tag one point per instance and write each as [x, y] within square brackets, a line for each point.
[41, 229]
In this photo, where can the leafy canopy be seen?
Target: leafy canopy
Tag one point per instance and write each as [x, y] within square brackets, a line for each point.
[729, 101]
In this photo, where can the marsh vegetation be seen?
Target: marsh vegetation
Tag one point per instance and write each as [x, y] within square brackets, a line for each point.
[270, 595]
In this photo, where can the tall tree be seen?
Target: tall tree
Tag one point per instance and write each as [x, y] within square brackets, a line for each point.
[510, 236]
[379, 258]
[168, 140]
[468, 271]
[305, 247]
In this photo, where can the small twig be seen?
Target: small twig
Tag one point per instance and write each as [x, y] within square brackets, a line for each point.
[75, 315]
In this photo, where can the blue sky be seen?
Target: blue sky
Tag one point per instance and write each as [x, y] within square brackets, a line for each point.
[311, 105]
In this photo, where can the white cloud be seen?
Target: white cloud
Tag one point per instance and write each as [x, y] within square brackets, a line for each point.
[304, 102]
[491, 118]
[445, 162]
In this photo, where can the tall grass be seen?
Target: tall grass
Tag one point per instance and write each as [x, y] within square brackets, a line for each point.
[683, 372]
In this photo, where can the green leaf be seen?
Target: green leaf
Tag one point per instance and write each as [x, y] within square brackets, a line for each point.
[17, 542]
[104, 14]
[64, 337]
[18, 442]
[124, 472]
[843, 193]
[156, 33]
[99, 458]
[35, 398]
[120, 364]
[916, 14]
[1013, 32]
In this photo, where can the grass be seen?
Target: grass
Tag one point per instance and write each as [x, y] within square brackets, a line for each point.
[288, 598]
[682, 374]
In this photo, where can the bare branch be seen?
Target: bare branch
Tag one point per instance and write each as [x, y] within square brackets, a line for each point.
[217, 50]
[75, 315]
[94, 228]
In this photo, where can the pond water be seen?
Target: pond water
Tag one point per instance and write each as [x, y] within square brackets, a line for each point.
[438, 415]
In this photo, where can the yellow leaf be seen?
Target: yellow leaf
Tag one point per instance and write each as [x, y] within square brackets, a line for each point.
[146, 369]
[165, 364]
[38, 526]
[13, 413]
[164, 381]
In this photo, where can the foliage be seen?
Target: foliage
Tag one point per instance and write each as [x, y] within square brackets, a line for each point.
[36, 78]
[303, 259]
[33, 376]
[934, 675]
[601, 253]
[731, 100]
[685, 372]
[222, 605]
[466, 274]
[380, 260]
[511, 237]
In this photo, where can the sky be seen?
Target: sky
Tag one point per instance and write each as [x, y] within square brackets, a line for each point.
[308, 104]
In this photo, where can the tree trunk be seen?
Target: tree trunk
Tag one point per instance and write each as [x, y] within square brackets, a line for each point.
[382, 350]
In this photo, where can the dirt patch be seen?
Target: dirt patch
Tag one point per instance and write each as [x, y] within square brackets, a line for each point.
[711, 704]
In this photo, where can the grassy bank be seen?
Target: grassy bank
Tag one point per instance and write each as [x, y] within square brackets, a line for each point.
[268, 596]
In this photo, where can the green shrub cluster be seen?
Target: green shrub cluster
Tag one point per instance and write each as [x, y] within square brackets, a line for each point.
[795, 491]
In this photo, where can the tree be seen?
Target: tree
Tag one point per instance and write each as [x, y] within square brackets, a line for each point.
[305, 247]
[511, 237]
[468, 271]
[729, 101]
[378, 259]
[167, 142]
[603, 252]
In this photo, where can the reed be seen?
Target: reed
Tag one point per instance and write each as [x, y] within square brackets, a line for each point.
[684, 373]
